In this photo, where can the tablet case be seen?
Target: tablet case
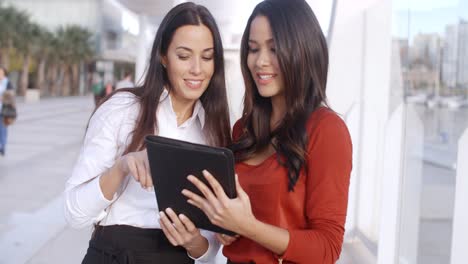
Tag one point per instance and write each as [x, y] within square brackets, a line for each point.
[171, 161]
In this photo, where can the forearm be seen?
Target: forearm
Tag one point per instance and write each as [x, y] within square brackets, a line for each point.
[273, 238]
[111, 180]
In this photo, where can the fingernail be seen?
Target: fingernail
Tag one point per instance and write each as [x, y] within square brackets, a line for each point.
[161, 214]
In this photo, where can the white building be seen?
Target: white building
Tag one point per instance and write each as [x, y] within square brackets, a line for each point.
[462, 66]
[426, 50]
[455, 55]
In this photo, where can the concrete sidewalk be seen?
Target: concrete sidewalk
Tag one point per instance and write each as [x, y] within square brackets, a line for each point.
[42, 147]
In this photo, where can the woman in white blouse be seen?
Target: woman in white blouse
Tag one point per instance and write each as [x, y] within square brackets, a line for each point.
[182, 97]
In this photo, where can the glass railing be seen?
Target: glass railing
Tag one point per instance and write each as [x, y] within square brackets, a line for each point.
[432, 41]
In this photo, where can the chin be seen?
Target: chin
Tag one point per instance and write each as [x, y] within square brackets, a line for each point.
[193, 95]
[267, 92]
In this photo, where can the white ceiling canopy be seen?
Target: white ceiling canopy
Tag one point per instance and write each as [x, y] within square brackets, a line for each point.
[230, 15]
[150, 8]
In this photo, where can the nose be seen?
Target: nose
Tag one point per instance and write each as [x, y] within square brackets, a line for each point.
[263, 58]
[195, 68]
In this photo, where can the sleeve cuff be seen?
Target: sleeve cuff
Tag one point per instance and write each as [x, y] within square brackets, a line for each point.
[289, 248]
[213, 248]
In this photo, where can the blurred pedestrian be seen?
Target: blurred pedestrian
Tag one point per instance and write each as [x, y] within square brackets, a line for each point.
[5, 89]
[98, 88]
[109, 88]
[126, 82]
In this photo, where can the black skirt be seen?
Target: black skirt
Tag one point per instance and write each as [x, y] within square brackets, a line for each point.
[121, 244]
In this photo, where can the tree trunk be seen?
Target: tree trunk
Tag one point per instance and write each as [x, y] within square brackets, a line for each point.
[52, 80]
[6, 51]
[65, 87]
[75, 69]
[40, 82]
[5, 62]
[25, 74]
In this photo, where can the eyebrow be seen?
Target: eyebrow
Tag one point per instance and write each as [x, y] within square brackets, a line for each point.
[189, 49]
[255, 42]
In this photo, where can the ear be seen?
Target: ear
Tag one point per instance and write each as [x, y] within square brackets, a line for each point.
[164, 61]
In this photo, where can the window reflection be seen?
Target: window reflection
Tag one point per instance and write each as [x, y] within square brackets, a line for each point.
[433, 47]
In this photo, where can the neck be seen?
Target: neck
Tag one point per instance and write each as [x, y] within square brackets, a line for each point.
[182, 108]
[278, 106]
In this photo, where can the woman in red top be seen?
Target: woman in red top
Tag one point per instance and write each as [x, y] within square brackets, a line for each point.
[294, 154]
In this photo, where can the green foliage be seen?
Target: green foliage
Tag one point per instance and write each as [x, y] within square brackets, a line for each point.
[24, 45]
[74, 44]
[70, 44]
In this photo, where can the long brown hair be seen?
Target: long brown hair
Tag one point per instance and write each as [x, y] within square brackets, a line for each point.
[214, 99]
[302, 55]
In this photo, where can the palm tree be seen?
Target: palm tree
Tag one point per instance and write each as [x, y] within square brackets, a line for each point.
[46, 44]
[26, 42]
[74, 47]
[53, 80]
[82, 52]
[61, 53]
[10, 19]
[64, 48]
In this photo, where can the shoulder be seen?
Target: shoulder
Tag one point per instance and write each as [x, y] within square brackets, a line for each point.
[325, 124]
[122, 105]
[324, 116]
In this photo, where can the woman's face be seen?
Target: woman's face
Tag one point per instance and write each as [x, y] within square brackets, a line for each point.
[189, 62]
[262, 60]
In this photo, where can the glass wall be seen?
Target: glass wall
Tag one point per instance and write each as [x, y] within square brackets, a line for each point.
[430, 58]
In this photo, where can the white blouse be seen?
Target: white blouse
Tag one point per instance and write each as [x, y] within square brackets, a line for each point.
[107, 136]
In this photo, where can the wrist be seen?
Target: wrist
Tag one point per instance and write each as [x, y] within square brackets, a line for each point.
[249, 230]
[111, 180]
[119, 168]
[198, 247]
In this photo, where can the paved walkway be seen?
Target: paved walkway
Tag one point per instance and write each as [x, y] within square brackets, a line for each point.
[42, 147]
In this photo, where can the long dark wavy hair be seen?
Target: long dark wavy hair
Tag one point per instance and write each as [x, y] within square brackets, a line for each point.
[302, 55]
[214, 100]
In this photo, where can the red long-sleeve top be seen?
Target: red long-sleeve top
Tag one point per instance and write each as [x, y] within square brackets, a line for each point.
[315, 212]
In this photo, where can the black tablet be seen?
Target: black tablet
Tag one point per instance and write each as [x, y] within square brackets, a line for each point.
[171, 161]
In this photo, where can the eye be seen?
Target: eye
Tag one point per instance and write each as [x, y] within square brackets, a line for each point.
[252, 50]
[207, 58]
[273, 50]
[183, 57]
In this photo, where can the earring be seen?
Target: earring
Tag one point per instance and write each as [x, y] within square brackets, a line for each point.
[164, 65]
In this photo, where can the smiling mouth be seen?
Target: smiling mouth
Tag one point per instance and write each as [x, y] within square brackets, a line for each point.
[194, 84]
[265, 78]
